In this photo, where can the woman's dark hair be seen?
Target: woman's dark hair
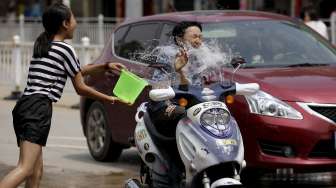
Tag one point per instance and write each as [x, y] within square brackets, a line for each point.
[52, 20]
[312, 13]
[179, 30]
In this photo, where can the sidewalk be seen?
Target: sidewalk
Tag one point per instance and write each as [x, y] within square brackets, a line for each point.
[68, 99]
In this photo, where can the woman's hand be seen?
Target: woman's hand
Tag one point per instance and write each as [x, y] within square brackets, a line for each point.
[114, 99]
[181, 60]
[115, 67]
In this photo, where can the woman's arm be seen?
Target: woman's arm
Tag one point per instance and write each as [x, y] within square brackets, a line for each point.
[93, 69]
[84, 90]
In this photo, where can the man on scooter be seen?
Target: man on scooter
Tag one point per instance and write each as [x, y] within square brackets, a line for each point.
[187, 36]
[177, 69]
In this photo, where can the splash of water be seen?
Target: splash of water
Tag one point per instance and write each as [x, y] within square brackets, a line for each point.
[208, 55]
[207, 60]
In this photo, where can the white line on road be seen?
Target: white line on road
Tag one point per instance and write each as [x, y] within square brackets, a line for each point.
[67, 138]
[66, 146]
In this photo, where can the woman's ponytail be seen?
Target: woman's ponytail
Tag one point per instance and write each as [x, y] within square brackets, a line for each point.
[42, 45]
[52, 20]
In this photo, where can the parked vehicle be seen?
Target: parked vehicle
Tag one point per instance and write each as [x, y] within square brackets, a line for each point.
[208, 139]
[289, 123]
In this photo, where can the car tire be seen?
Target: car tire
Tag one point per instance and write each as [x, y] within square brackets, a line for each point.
[99, 135]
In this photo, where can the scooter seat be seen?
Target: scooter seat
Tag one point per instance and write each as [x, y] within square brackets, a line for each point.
[157, 137]
[165, 144]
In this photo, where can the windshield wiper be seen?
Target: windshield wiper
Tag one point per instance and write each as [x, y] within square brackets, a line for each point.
[307, 65]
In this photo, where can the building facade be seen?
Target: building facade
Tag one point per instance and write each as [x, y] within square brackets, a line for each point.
[134, 8]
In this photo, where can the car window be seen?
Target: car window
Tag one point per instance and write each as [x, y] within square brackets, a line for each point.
[270, 43]
[139, 40]
[118, 36]
[166, 34]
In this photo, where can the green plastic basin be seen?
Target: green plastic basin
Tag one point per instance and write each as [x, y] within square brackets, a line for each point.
[129, 86]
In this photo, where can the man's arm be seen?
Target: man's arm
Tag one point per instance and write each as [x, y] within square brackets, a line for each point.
[183, 78]
[180, 61]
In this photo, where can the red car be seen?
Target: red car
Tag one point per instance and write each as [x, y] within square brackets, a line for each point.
[290, 123]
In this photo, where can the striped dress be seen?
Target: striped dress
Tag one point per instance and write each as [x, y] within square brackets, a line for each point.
[48, 75]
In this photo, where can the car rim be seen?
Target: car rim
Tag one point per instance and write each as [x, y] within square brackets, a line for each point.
[96, 132]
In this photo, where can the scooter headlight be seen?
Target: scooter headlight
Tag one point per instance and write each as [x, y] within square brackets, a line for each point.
[215, 121]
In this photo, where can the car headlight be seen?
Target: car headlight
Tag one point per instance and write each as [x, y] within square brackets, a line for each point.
[265, 104]
[215, 121]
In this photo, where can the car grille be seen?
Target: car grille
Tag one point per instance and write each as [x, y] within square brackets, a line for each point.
[276, 149]
[324, 148]
[326, 111]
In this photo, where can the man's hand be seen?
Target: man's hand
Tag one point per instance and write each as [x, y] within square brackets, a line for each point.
[181, 60]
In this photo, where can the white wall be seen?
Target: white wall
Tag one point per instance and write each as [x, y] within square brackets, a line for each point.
[133, 8]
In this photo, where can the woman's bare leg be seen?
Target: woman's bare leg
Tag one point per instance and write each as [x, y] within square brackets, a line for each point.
[29, 153]
[34, 180]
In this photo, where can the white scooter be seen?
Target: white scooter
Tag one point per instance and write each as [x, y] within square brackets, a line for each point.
[210, 150]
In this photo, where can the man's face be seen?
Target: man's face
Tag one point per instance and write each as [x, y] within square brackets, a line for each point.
[193, 36]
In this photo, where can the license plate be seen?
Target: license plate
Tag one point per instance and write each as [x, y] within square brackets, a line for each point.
[229, 142]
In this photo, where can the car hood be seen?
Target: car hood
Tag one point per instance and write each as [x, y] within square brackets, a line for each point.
[299, 84]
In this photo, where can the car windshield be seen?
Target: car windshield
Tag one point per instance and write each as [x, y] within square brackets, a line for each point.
[271, 43]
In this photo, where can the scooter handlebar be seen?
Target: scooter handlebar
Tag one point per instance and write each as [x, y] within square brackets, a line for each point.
[162, 94]
[247, 89]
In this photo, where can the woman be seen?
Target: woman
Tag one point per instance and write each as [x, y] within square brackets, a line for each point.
[53, 61]
[313, 21]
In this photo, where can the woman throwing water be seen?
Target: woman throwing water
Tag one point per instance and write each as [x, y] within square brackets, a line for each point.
[53, 61]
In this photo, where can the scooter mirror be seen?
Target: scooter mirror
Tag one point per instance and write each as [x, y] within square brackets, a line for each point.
[236, 61]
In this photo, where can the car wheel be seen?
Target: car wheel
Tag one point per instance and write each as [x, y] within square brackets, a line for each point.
[98, 135]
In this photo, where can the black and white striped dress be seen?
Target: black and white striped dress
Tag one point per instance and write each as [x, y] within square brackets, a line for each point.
[48, 75]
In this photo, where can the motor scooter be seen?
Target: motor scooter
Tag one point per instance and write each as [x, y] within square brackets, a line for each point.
[207, 150]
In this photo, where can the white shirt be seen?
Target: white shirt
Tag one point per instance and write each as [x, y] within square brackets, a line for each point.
[319, 27]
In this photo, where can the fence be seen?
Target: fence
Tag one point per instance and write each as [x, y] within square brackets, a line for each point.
[15, 57]
[98, 29]
[16, 52]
